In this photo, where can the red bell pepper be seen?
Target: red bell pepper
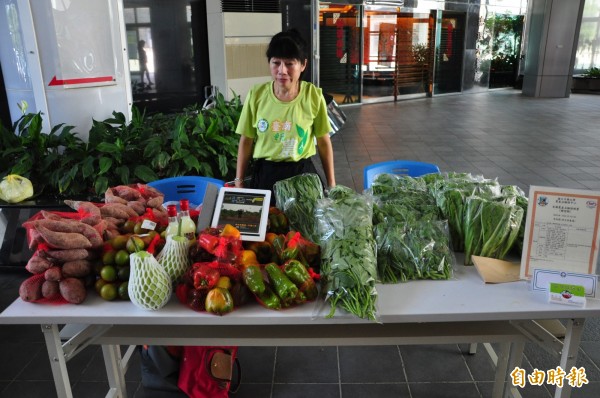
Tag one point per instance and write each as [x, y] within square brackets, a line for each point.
[208, 242]
[205, 277]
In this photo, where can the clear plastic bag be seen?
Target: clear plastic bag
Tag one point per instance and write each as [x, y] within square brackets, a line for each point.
[348, 258]
[414, 250]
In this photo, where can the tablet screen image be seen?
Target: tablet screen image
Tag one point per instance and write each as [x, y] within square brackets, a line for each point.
[245, 209]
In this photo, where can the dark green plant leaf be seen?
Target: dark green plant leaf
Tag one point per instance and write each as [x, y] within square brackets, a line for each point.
[107, 147]
[145, 173]
[88, 167]
[162, 160]
[105, 164]
[192, 162]
[101, 185]
[123, 174]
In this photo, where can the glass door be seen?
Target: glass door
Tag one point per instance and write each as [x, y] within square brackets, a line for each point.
[449, 52]
[340, 52]
[374, 53]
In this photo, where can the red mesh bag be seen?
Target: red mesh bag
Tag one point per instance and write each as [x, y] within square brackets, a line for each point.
[31, 290]
[33, 237]
[152, 215]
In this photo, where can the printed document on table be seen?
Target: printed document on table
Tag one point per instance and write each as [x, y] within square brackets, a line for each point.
[561, 231]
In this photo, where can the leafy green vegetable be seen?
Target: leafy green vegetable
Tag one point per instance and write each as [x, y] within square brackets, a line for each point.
[297, 198]
[413, 250]
[349, 263]
[385, 185]
[491, 227]
[408, 205]
[515, 195]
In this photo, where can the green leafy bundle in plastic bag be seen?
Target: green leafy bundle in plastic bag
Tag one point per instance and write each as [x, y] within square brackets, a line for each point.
[297, 197]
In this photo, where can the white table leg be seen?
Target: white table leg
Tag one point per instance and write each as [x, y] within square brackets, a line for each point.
[568, 357]
[516, 359]
[501, 370]
[58, 362]
[114, 371]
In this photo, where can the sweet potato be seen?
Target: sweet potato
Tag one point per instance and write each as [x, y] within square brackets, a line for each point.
[110, 196]
[83, 206]
[111, 210]
[31, 288]
[50, 289]
[34, 238]
[111, 233]
[64, 240]
[77, 268]
[155, 202]
[138, 207]
[126, 192]
[50, 216]
[113, 223]
[38, 264]
[89, 212]
[160, 215]
[72, 290]
[123, 207]
[70, 226]
[66, 254]
[53, 274]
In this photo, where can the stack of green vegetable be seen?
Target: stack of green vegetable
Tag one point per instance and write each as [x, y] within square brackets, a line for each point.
[349, 263]
[485, 218]
[297, 198]
[413, 250]
[401, 199]
[385, 186]
[515, 195]
[412, 241]
[451, 194]
[491, 227]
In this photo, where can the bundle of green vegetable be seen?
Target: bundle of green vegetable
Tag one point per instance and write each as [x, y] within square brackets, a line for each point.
[451, 194]
[297, 197]
[515, 195]
[491, 227]
[413, 250]
[408, 205]
[348, 262]
[385, 186]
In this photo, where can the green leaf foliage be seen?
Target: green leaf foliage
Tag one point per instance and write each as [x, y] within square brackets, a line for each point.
[193, 141]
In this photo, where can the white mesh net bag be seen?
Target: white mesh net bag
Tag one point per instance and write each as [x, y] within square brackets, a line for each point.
[149, 284]
[174, 257]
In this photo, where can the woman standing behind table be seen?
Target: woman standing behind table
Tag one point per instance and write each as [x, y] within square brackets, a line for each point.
[281, 119]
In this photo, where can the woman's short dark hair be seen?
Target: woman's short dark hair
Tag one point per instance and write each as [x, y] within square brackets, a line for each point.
[288, 45]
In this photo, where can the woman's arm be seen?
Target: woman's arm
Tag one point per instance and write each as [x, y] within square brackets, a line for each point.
[244, 156]
[326, 154]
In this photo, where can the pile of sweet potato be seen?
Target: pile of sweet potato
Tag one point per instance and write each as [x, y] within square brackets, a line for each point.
[65, 245]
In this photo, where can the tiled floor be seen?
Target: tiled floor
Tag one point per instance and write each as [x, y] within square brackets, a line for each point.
[519, 140]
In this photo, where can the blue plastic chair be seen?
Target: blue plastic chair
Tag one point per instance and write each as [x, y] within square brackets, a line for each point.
[409, 168]
[185, 187]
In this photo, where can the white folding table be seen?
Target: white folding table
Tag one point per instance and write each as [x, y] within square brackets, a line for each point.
[460, 310]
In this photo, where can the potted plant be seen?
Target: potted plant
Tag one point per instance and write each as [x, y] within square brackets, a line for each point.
[589, 82]
[193, 141]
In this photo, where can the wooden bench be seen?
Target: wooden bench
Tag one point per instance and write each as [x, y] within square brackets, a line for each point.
[410, 75]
